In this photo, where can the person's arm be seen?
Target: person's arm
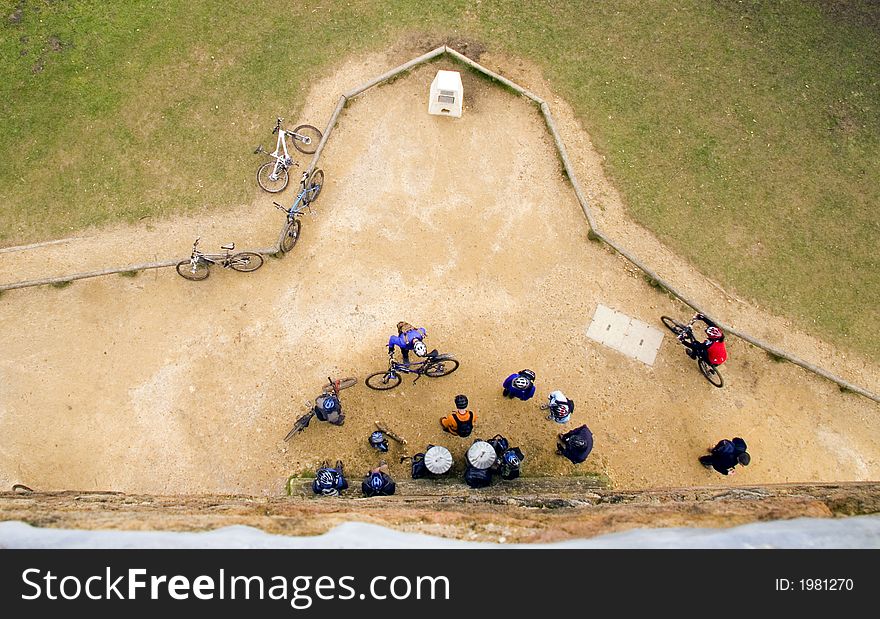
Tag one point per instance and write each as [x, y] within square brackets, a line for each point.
[508, 381]
[531, 391]
[571, 406]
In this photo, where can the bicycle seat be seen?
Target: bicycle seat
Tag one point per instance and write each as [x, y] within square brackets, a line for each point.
[433, 354]
[229, 246]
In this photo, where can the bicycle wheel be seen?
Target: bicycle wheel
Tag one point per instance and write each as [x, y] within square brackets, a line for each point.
[711, 373]
[196, 273]
[246, 261]
[311, 134]
[313, 186]
[344, 383]
[264, 177]
[291, 235]
[441, 367]
[672, 324]
[382, 381]
[301, 424]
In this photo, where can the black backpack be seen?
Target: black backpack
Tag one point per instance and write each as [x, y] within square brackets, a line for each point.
[465, 427]
[419, 470]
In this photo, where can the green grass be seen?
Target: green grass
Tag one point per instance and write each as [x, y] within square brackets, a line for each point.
[745, 134]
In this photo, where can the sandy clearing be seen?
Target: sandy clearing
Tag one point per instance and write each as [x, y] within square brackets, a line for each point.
[155, 384]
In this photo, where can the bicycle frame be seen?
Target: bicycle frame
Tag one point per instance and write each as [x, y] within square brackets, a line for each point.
[198, 255]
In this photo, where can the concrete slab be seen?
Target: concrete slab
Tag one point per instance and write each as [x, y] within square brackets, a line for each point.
[633, 338]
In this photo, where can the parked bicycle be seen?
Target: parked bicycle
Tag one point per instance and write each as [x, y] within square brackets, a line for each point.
[310, 189]
[435, 366]
[198, 266]
[685, 333]
[334, 387]
[272, 175]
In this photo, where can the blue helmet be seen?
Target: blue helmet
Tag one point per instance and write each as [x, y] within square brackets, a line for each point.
[376, 482]
[330, 402]
[377, 440]
[510, 458]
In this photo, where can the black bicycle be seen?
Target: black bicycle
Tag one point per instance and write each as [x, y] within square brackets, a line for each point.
[435, 365]
[685, 333]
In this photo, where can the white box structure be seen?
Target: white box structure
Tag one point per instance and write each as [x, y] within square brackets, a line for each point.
[446, 94]
[633, 338]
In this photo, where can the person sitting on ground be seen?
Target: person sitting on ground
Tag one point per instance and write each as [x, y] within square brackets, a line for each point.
[510, 463]
[712, 350]
[378, 441]
[560, 407]
[329, 481]
[378, 482]
[726, 455]
[329, 408]
[576, 444]
[508, 460]
[480, 459]
[461, 422]
[520, 385]
[408, 338]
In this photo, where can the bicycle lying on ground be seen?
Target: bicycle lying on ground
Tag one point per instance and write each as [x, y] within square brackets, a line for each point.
[310, 189]
[198, 266]
[272, 175]
[334, 387]
[685, 333]
[435, 365]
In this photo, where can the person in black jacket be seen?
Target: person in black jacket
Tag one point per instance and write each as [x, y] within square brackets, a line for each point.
[726, 455]
[576, 444]
[378, 482]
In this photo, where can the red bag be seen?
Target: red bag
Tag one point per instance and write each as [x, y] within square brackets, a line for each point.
[716, 353]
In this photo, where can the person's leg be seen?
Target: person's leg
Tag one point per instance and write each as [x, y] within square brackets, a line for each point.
[405, 354]
[706, 461]
[446, 424]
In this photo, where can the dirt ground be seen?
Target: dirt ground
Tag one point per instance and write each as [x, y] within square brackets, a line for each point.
[467, 227]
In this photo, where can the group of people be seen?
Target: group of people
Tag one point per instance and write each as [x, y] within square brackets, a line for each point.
[495, 457]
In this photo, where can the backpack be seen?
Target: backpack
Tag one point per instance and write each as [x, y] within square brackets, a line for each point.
[499, 443]
[465, 428]
[419, 470]
[716, 353]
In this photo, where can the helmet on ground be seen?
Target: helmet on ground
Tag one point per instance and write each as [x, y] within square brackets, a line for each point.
[419, 348]
[528, 374]
[376, 482]
[461, 402]
[510, 458]
[330, 402]
[714, 333]
[744, 458]
[438, 460]
[377, 440]
[481, 455]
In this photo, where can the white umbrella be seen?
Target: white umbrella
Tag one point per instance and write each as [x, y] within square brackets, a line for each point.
[438, 460]
[481, 455]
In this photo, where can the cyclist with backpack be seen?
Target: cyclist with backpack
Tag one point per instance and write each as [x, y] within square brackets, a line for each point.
[329, 408]
[560, 407]
[712, 350]
[576, 444]
[408, 338]
[329, 481]
[461, 422]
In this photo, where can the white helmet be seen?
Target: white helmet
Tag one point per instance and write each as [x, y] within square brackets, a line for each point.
[420, 349]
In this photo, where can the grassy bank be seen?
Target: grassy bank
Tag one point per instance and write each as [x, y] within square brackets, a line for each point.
[747, 135]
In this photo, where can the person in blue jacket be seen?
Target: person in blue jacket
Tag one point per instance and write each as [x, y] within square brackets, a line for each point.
[520, 385]
[329, 481]
[408, 338]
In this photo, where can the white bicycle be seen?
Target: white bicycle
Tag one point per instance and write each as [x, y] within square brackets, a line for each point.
[272, 175]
